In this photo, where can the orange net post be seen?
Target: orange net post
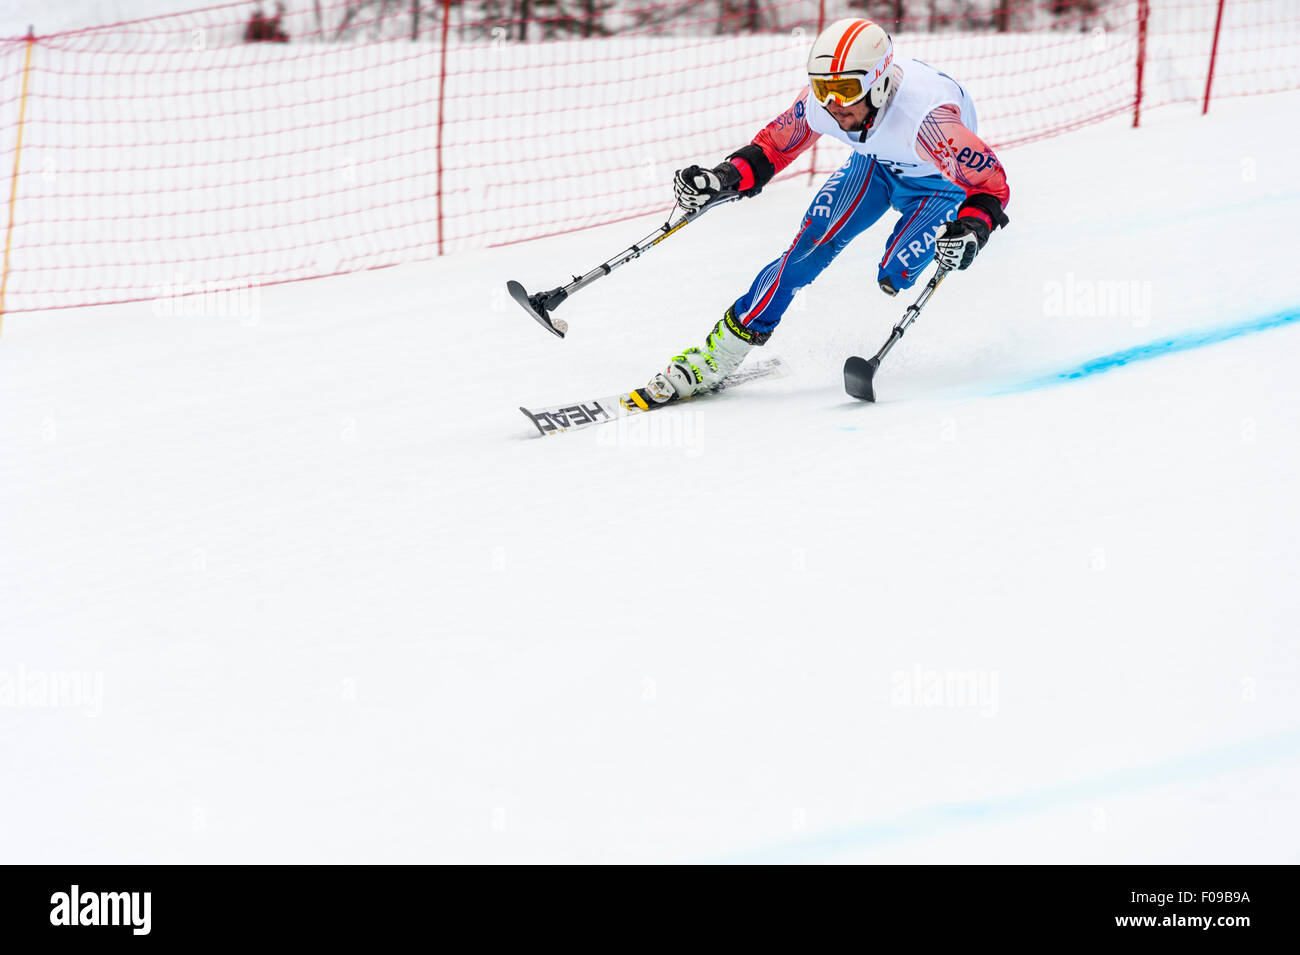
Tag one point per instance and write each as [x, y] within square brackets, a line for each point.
[13, 182]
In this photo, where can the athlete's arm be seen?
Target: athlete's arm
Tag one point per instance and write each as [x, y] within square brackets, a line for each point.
[777, 145]
[967, 161]
[751, 167]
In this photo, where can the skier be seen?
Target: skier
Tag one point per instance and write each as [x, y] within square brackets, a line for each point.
[912, 132]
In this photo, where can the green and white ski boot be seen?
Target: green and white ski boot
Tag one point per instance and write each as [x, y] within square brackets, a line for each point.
[697, 370]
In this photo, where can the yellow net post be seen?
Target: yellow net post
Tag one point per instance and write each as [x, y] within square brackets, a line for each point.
[13, 184]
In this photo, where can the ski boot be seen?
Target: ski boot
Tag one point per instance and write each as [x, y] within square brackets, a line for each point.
[698, 370]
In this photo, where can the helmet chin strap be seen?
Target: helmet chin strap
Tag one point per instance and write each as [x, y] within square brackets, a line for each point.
[867, 123]
[873, 110]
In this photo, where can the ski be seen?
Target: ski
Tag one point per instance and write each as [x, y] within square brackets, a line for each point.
[584, 414]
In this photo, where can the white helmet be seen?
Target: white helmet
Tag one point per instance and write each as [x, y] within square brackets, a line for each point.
[850, 60]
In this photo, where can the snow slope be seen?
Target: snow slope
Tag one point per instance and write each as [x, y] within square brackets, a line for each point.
[315, 591]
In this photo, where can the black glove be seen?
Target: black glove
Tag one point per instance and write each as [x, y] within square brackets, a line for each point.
[960, 241]
[694, 186]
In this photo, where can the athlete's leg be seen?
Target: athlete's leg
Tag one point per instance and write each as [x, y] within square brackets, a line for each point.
[854, 197]
[925, 203]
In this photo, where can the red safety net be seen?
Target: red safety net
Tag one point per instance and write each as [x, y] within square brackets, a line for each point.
[202, 150]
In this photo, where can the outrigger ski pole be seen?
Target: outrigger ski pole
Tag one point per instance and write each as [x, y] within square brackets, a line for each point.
[859, 372]
[542, 304]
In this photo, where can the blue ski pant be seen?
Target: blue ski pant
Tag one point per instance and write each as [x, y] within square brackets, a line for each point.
[851, 200]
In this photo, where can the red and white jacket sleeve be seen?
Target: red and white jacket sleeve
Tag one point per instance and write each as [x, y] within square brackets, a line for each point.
[967, 161]
[777, 145]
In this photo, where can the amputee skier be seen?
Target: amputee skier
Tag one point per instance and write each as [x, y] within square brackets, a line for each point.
[912, 132]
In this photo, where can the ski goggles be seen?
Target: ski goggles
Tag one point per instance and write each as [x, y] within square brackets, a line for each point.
[845, 89]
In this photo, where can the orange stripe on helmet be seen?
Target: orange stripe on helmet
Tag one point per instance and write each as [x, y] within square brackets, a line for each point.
[846, 41]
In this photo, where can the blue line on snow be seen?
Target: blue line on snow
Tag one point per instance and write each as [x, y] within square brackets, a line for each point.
[925, 822]
[1163, 346]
